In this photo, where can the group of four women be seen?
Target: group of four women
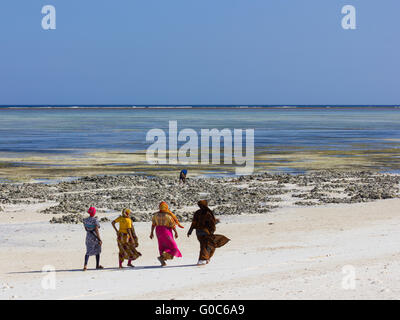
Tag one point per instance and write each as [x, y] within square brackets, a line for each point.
[164, 222]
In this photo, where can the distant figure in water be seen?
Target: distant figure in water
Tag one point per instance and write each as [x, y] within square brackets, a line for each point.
[204, 222]
[182, 176]
[93, 240]
[164, 221]
[126, 239]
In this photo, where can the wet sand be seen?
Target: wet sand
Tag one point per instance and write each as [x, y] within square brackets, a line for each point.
[29, 167]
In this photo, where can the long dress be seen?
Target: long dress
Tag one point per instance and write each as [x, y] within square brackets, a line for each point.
[127, 248]
[93, 246]
[204, 222]
[167, 246]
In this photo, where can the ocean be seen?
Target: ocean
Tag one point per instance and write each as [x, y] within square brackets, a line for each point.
[78, 130]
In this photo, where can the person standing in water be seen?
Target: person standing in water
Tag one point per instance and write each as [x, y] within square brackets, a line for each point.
[126, 239]
[93, 240]
[204, 222]
[164, 222]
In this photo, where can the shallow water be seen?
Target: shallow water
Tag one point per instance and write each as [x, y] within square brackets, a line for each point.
[29, 132]
[74, 130]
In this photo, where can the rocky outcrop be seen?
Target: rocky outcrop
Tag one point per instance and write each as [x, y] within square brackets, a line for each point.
[255, 194]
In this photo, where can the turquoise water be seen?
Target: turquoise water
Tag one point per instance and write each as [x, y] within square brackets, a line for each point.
[59, 131]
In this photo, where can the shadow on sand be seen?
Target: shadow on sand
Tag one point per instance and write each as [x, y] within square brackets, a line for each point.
[110, 269]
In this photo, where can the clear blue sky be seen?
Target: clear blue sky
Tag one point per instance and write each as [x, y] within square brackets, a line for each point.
[199, 52]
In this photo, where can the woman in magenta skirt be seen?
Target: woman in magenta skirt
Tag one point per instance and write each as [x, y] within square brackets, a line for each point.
[165, 222]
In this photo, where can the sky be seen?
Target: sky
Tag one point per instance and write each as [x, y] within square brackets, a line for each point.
[194, 52]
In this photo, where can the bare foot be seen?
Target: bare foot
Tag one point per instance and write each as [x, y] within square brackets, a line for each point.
[162, 261]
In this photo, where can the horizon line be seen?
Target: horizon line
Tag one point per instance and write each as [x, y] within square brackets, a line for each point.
[191, 105]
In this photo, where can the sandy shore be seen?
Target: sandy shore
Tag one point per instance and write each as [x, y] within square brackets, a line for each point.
[290, 253]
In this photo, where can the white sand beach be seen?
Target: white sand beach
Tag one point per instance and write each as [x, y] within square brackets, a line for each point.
[290, 253]
[279, 120]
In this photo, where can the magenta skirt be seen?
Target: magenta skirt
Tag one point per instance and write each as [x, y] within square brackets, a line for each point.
[166, 242]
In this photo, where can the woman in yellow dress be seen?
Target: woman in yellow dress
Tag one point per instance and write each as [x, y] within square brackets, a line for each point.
[126, 238]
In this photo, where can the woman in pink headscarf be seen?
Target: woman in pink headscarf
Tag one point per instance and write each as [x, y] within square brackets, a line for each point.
[93, 240]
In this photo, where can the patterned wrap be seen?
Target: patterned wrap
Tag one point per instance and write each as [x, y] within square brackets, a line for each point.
[163, 219]
[165, 209]
[93, 246]
[127, 249]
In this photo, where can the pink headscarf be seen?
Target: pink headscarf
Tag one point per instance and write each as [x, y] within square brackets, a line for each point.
[92, 211]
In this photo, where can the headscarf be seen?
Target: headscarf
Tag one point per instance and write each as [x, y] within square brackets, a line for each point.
[164, 208]
[92, 211]
[203, 204]
[126, 212]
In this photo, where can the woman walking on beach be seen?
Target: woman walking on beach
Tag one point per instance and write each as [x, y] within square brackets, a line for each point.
[165, 222]
[126, 239]
[204, 222]
[93, 241]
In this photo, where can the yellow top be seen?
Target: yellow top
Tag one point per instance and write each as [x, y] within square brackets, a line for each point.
[163, 219]
[124, 224]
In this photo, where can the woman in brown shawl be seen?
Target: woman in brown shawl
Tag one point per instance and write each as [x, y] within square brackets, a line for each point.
[204, 222]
